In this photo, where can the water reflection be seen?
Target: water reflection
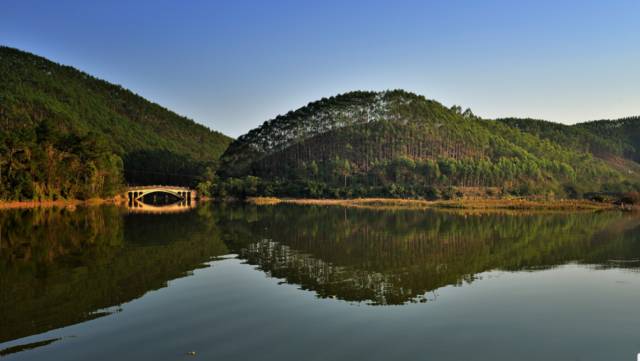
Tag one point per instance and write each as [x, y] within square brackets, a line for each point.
[28, 346]
[63, 266]
[398, 257]
[175, 207]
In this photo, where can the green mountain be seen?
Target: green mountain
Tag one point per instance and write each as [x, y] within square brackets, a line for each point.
[625, 131]
[396, 143]
[64, 133]
[617, 142]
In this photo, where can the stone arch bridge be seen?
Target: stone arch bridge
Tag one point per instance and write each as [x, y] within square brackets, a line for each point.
[182, 193]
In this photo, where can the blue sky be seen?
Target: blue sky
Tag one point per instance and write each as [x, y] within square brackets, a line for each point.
[233, 64]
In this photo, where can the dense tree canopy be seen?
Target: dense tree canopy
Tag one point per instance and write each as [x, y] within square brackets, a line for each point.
[42, 164]
[625, 131]
[91, 132]
[397, 143]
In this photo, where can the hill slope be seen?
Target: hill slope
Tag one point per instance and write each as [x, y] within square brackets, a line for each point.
[400, 144]
[617, 142]
[44, 103]
[625, 131]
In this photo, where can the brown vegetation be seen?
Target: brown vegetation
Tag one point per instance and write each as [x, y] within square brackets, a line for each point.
[472, 204]
[68, 203]
[264, 200]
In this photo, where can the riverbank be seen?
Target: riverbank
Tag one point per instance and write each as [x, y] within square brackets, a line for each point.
[62, 203]
[514, 204]
[469, 204]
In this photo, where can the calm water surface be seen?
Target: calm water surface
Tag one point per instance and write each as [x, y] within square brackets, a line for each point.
[317, 283]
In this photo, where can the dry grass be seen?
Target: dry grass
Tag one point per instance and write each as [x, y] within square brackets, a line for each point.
[464, 204]
[517, 204]
[261, 201]
[70, 204]
[37, 204]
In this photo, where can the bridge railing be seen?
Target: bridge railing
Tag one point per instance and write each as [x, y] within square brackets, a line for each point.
[158, 186]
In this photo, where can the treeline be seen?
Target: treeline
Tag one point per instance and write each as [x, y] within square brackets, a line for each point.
[43, 164]
[406, 178]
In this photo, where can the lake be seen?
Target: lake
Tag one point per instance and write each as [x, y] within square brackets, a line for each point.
[284, 282]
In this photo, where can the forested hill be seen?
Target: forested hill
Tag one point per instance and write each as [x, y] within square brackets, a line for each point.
[604, 138]
[65, 133]
[396, 143]
[626, 131]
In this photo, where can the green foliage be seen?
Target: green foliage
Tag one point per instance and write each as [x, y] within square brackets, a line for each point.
[576, 137]
[400, 144]
[47, 165]
[39, 98]
[64, 133]
[625, 133]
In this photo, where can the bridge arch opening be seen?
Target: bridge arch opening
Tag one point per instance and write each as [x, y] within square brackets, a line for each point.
[160, 195]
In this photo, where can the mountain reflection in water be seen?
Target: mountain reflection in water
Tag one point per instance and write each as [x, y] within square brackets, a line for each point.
[61, 266]
[394, 257]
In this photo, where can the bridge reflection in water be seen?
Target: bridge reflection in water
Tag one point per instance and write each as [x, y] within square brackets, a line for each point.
[160, 199]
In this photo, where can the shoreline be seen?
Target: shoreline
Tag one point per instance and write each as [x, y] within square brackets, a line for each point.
[460, 204]
[472, 204]
[62, 203]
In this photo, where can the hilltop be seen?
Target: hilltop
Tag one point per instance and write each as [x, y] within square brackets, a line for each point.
[399, 144]
[67, 134]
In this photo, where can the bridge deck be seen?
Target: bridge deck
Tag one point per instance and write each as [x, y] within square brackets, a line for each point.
[158, 186]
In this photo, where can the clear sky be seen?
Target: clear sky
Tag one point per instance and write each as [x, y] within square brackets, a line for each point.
[233, 64]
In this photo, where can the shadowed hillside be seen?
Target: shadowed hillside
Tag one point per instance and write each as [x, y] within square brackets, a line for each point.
[67, 134]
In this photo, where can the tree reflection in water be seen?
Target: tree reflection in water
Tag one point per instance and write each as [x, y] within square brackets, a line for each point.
[394, 257]
[63, 266]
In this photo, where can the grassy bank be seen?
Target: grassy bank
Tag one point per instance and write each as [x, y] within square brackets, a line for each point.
[58, 203]
[380, 203]
[471, 204]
